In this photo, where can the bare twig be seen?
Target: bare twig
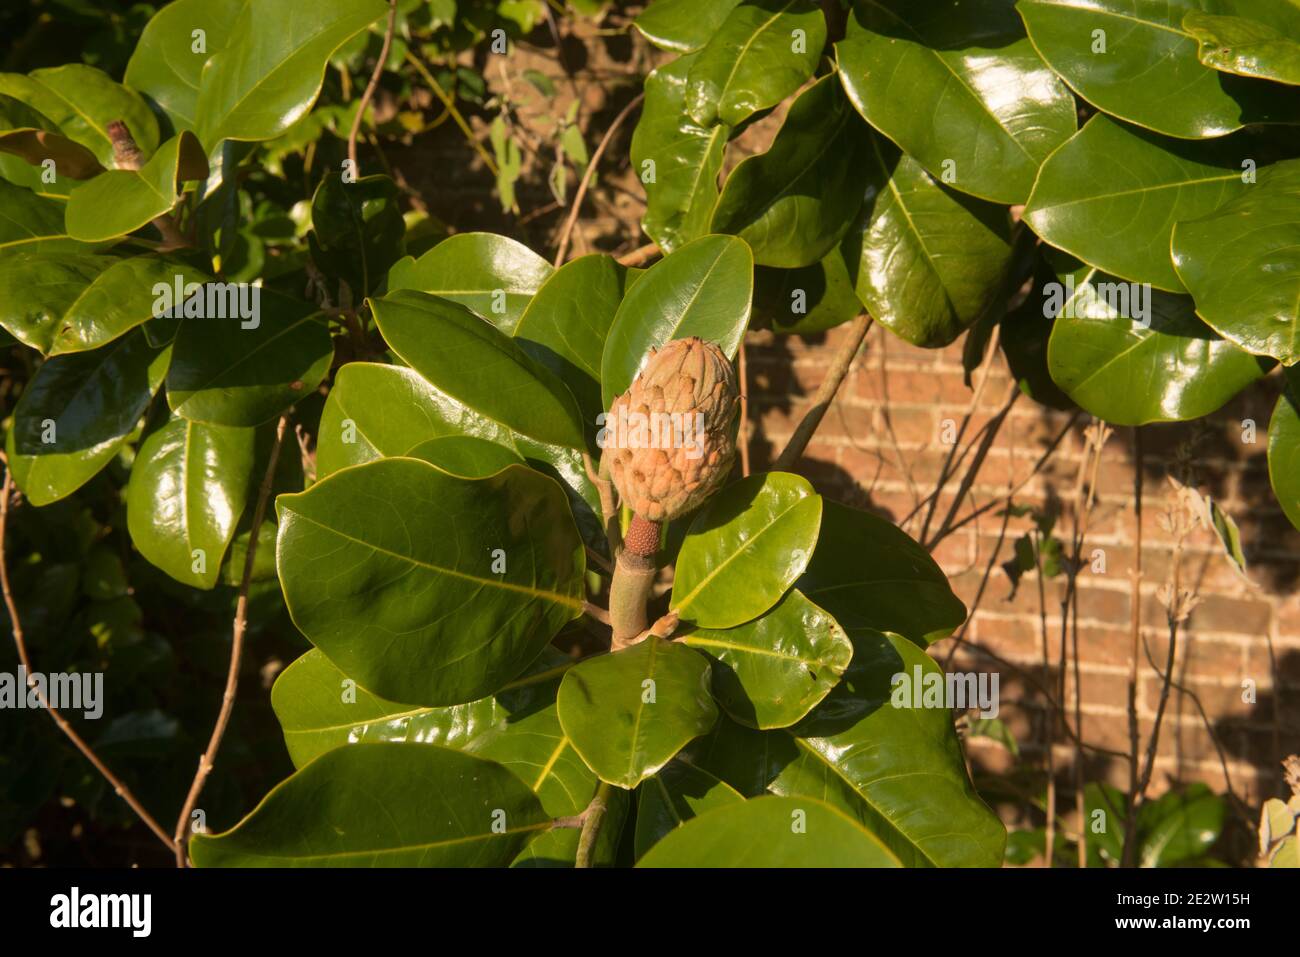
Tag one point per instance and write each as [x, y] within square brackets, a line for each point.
[236, 648]
[599, 560]
[1049, 842]
[639, 255]
[1129, 854]
[743, 437]
[946, 471]
[839, 368]
[590, 171]
[1038, 467]
[15, 624]
[989, 434]
[370, 87]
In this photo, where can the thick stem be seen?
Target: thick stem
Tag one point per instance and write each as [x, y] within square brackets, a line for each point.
[634, 576]
[812, 418]
[592, 820]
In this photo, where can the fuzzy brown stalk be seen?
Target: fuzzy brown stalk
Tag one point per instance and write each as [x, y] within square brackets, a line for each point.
[127, 155]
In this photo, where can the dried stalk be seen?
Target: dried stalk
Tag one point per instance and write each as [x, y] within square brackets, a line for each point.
[236, 650]
[15, 624]
[371, 86]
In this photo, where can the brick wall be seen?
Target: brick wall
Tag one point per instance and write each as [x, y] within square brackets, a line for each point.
[882, 447]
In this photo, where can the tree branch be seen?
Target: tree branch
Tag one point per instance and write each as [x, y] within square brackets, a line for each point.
[592, 820]
[120, 789]
[236, 648]
[839, 368]
[370, 87]
[581, 194]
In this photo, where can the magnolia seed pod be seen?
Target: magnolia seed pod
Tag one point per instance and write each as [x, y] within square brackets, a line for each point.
[670, 439]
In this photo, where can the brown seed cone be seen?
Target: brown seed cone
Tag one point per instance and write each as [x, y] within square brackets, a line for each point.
[671, 436]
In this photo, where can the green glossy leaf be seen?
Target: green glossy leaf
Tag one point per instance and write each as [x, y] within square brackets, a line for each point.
[871, 576]
[993, 112]
[473, 361]
[1287, 853]
[492, 275]
[1250, 47]
[682, 25]
[271, 68]
[121, 201]
[226, 374]
[377, 411]
[1148, 72]
[389, 805]
[808, 300]
[1112, 195]
[31, 224]
[703, 289]
[1242, 264]
[679, 792]
[189, 485]
[81, 101]
[629, 712]
[1106, 808]
[62, 301]
[770, 672]
[1180, 826]
[793, 203]
[1229, 535]
[1131, 360]
[770, 832]
[357, 230]
[763, 51]
[927, 262]
[895, 769]
[1284, 449]
[1276, 820]
[77, 412]
[677, 160]
[565, 325]
[319, 709]
[466, 455]
[440, 589]
[168, 61]
[745, 548]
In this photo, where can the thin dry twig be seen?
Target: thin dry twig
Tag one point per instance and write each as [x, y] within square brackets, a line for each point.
[236, 648]
[639, 255]
[743, 437]
[971, 409]
[1129, 854]
[839, 368]
[590, 171]
[372, 85]
[15, 624]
